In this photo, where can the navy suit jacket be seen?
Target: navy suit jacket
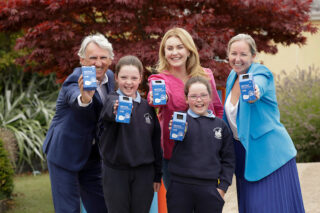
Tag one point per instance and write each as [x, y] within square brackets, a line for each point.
[68, 143]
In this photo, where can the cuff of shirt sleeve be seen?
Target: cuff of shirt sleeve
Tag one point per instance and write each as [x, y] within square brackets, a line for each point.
[157, 177]
[82, 104]
[224, 186]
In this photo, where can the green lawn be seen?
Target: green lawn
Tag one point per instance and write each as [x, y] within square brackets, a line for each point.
[32, 194]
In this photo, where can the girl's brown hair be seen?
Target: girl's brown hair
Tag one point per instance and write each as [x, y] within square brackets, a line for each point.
[129, 60]
[197, 79]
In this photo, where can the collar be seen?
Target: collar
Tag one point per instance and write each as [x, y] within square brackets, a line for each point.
[137, 99]
[194, 115]
[105, 79]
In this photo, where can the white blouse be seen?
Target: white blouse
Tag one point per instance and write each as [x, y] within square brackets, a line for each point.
[231, 114]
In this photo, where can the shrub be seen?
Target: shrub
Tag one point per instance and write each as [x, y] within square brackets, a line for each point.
[299, 103]
[6, 174]
[27, 103]
[10, 144]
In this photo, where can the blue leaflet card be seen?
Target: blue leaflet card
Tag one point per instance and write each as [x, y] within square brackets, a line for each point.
[247, 87]
[124, 109]
[89, 77]
[159, 92]
[178, 126]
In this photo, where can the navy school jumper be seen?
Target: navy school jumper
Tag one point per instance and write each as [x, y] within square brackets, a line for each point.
[125, 146]
[206, 154]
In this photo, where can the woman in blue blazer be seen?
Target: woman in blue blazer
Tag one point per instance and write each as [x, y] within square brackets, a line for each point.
[266, 171]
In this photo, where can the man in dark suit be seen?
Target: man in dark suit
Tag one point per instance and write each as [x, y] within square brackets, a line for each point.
[71, 143]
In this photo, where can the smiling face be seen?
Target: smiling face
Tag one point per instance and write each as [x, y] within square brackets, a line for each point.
[240, 57]
[98, 57]
[128, 80]
[176, 53]
[198, 98]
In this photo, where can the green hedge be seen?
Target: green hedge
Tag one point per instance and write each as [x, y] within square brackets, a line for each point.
[6, 174]
[299, 102]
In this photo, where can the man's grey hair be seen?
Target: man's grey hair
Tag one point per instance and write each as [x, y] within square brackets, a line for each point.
[99, 40]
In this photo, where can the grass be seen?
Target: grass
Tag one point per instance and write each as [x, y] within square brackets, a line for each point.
[32, 194]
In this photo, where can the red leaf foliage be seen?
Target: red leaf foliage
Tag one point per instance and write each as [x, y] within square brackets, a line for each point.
[53, 29]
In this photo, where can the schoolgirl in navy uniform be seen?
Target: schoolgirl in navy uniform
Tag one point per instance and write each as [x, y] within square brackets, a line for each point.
[202, 165]
[131, 152]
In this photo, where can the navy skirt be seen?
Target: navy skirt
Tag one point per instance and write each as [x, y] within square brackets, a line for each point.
[279, 192]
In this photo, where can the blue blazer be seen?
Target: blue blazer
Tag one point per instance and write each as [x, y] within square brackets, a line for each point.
[68, 142]
[267, 143]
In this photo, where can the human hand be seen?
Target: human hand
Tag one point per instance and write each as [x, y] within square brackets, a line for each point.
[170, 124]
[221, 192]
[156, 186]
[86, 95]
[150, 97]
[115, 107]
[256, 93]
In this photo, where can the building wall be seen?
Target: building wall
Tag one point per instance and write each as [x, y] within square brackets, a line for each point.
[290, 57]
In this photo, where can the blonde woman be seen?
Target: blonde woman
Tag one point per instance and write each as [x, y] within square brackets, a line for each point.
[178, 62]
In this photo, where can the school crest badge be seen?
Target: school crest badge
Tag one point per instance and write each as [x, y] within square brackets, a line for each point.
[217, 132]
[148, 118]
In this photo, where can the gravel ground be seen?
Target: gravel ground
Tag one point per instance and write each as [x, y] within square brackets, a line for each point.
[309, 174]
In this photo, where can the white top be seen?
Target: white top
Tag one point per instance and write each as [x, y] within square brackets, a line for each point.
[231, 114]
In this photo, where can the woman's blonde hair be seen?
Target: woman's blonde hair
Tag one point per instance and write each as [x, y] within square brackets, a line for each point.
[193, 66]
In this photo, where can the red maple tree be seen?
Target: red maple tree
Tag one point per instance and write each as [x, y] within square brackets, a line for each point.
[53, 29]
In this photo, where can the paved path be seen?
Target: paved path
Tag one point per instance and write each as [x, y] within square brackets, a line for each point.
[309, 174]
